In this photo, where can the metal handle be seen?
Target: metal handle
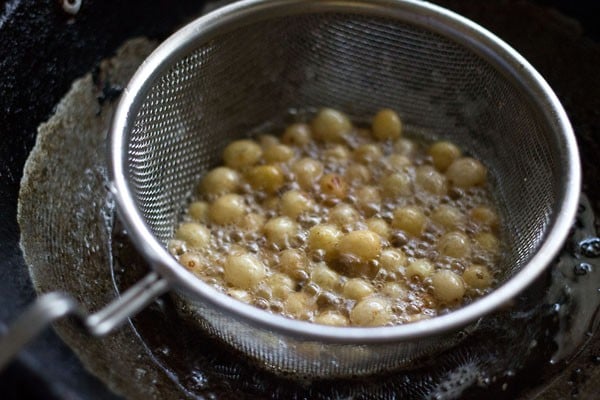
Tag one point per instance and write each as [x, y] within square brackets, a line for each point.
[52, 306]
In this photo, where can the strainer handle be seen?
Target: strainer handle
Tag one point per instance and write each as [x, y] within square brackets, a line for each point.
[55, 305]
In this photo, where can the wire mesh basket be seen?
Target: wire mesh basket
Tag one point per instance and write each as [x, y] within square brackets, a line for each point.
[237, 67]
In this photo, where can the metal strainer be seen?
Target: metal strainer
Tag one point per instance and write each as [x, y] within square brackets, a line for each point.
[236, 68]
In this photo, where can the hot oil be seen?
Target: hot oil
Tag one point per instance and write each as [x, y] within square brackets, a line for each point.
[407, 157]
[510, 353]
[517, 348]
[576, 285]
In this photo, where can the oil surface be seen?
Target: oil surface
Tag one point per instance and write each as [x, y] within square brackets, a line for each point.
[518, 347]
[372, 180]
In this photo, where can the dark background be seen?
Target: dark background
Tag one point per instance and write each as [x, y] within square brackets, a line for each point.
[42, 50]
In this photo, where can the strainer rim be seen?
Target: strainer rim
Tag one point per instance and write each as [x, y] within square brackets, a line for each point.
[432, 16]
